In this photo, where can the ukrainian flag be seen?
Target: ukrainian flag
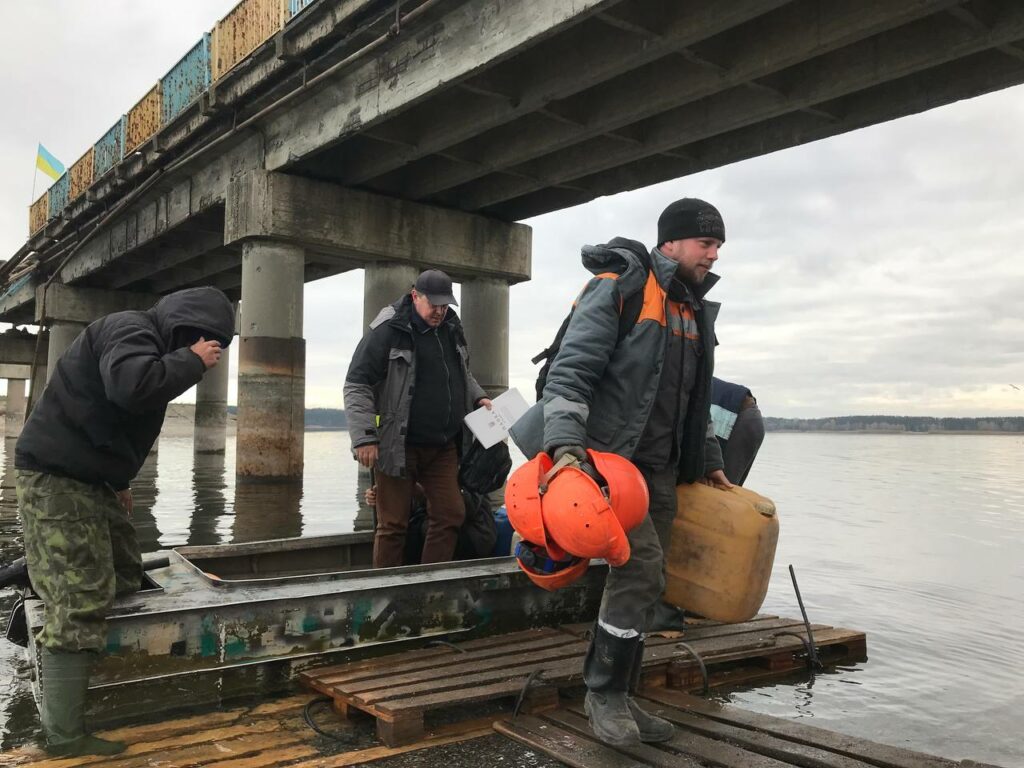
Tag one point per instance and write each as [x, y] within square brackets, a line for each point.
[49, 164]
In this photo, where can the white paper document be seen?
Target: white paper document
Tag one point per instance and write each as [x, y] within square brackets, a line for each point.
[492, 426]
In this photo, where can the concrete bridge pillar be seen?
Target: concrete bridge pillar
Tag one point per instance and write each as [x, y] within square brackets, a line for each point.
[271, 362]
[67, 310]
[14, 419]
[484, 313]
[62, 333]
[212, 408]
[383, 282]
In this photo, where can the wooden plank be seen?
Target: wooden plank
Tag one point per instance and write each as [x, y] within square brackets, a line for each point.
[473, 669]
[583, 628]
[792, 753]
[422, 654]
[453, 686]
[567, 747]
[439, 664]
[494, 690]
[269, 758]
[439, 737]
[193, 753]
[877, 754]
[699, 749]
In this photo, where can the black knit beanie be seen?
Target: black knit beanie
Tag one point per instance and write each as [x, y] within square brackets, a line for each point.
[690, 217]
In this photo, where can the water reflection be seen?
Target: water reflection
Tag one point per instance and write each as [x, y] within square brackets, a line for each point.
[211, 504]
[144, 496]
[267, 511]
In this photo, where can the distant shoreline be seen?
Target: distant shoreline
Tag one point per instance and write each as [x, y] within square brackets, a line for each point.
[900, 432]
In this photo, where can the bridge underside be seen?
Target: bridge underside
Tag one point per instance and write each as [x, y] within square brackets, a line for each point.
[521, 107]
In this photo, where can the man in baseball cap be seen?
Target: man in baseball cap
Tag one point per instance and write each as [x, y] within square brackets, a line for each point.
[411, 369]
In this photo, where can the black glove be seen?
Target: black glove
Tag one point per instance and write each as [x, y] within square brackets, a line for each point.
[581, 455]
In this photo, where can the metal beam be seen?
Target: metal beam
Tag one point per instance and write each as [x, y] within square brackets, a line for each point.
[568, 65]
[783, 39]
[909, 95]
[897, 54]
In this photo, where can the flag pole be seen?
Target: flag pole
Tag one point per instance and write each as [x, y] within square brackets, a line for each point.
[35, 175]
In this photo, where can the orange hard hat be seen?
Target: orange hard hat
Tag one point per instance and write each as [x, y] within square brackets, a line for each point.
[577, 514]
[627, 490]
[523, 503]
[545, 571]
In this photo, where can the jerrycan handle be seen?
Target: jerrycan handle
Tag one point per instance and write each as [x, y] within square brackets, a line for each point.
[762, 505]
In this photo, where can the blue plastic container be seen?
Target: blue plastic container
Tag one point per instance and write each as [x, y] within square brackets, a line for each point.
[503, 545]
[185, 81]
[108, 151]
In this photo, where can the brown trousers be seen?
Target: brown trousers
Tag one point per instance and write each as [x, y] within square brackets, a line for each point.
[436, 469]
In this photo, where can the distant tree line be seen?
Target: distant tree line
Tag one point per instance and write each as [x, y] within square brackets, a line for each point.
[897, 424]
[317, 418]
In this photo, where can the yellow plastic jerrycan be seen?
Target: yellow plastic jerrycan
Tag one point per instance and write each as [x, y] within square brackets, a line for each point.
[721, 553]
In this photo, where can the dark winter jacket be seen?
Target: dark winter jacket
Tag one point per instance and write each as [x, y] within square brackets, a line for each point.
[381, 377]
[600, 390]
[104, 405]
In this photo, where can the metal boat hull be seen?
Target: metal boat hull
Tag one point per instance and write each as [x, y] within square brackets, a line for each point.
[228, 620]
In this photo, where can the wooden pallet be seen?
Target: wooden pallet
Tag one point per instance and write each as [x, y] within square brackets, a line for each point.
[272, 734]
[711, 734]
[401, 690]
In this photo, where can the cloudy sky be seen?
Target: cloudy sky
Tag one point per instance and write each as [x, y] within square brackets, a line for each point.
[877, 272]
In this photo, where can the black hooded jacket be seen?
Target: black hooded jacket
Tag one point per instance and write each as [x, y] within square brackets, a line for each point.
[104, 404]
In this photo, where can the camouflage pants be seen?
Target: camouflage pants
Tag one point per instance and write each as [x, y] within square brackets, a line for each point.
[81, 550]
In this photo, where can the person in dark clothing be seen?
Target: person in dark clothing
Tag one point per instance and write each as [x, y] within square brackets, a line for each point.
[739, 427]
[646, 396]
[412, 370]
[79, 450]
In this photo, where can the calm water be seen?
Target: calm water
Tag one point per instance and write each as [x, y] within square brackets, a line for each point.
[914, 539]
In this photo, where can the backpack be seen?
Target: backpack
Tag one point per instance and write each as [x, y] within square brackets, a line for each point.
[629, 312]
[484, 470]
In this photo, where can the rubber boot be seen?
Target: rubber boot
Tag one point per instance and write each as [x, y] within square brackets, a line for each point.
[653, 729]
[606, 671]
[665, 618]
[65, 681]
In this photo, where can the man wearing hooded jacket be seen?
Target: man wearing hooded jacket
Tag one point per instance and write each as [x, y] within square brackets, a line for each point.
[80, 448]
[645, 396]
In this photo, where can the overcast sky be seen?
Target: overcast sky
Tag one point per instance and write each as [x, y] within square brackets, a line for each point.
[876, 272]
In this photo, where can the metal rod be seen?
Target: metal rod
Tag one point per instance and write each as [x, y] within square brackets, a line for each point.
[807, 624]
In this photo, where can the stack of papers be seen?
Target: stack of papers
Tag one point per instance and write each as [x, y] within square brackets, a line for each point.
[492, 426]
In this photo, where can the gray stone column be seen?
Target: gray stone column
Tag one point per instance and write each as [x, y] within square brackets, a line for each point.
[271, 362]
[62, 333]
[484, 313]
[212, 408]
[383, 282]
[16, 402]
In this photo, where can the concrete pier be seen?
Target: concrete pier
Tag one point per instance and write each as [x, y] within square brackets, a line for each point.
[14, 418]
[484, 313]
[384, 282]
[62, 334]
[212, 408]
[271, 362]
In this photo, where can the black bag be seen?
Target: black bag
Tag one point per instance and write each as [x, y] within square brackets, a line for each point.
[484, 470]
[477, 535]
[628, 314]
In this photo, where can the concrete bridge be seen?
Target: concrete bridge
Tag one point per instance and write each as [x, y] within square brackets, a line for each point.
[366, 134]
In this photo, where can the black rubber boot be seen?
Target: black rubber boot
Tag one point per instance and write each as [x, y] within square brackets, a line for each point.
[606, 671]
[65, 682]
[665, 618]
[652, 729]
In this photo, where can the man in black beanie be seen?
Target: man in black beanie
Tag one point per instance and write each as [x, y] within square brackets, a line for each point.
[633, 376]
